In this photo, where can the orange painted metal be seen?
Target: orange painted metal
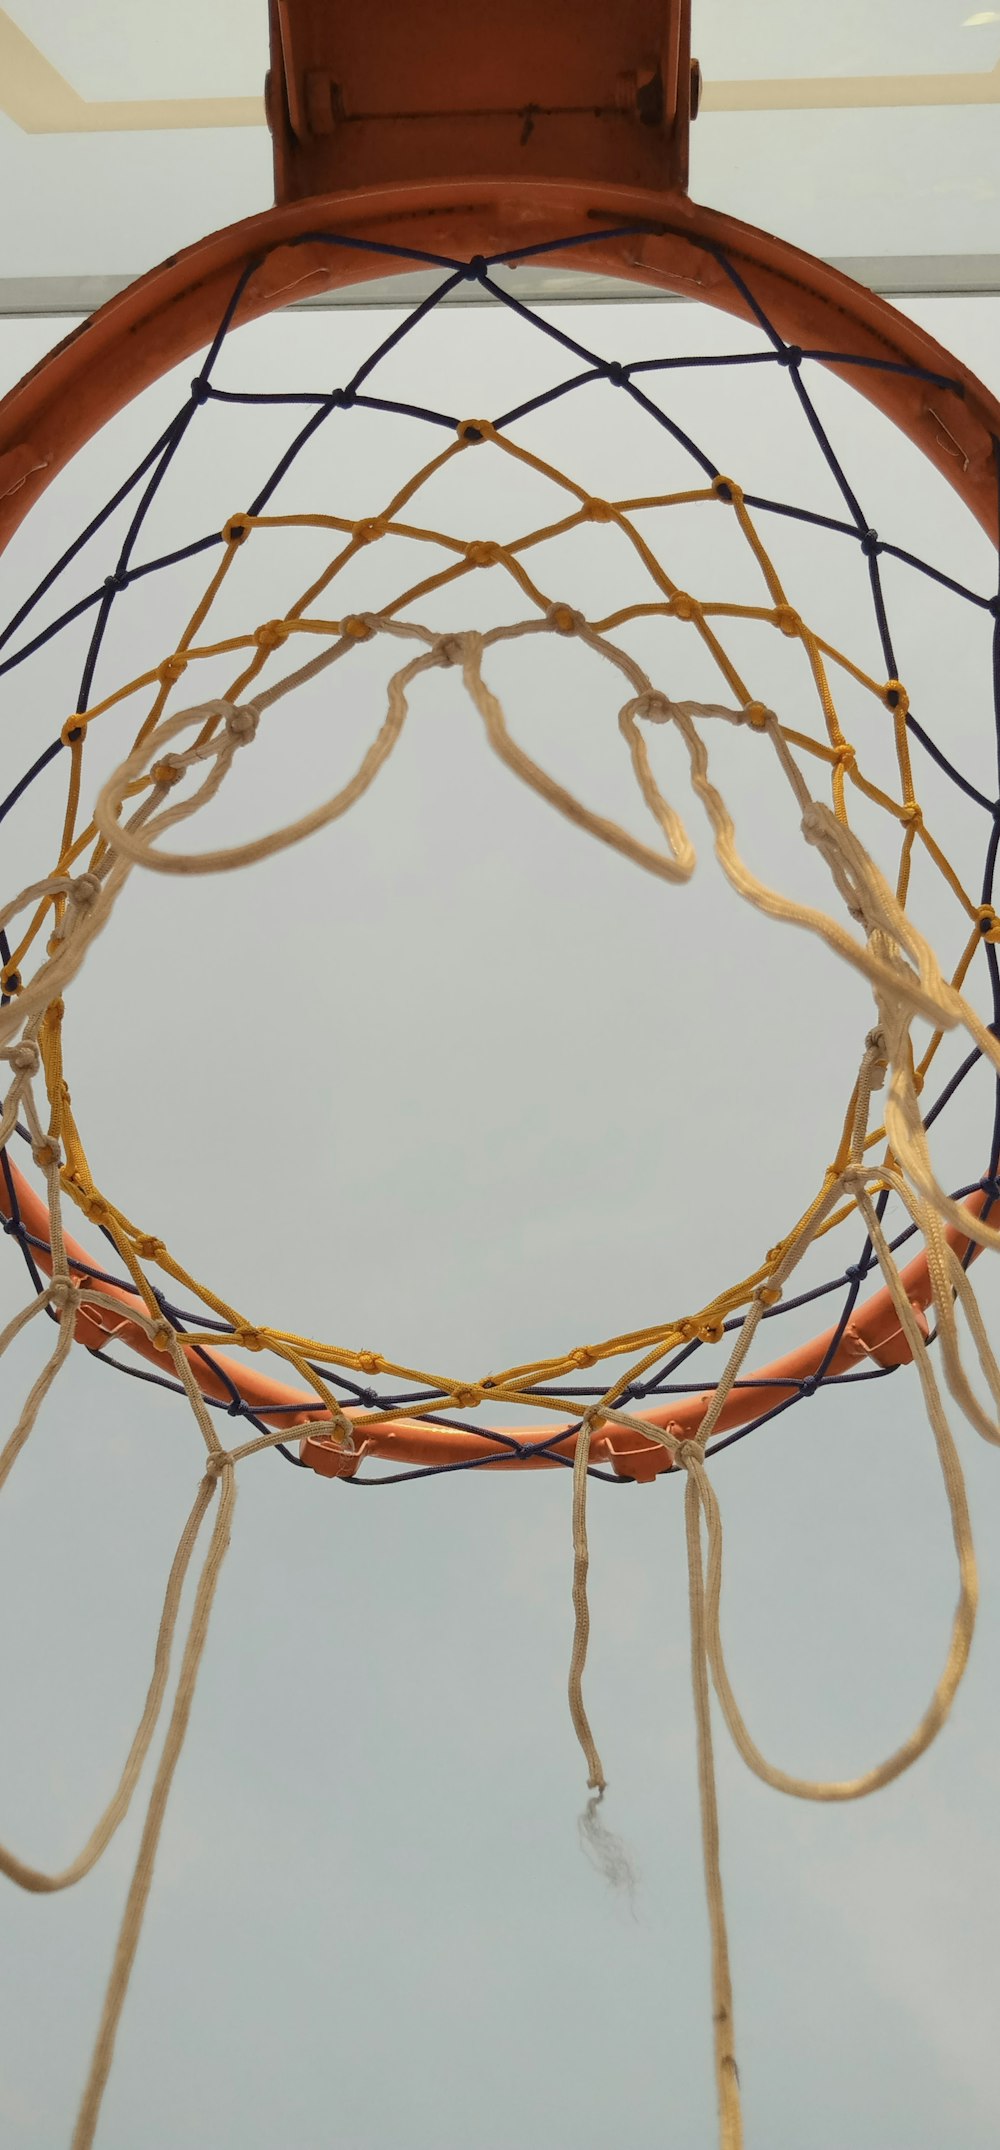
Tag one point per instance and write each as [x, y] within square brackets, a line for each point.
[416, 125]
[577, 90]
[872, 1333]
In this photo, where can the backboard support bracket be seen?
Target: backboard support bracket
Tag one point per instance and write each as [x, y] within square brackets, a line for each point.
[409, 90]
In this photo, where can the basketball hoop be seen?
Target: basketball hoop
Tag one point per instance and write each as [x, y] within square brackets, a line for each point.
[399, 143]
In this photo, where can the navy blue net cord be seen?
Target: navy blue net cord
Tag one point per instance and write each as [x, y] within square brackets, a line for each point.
[25, 634]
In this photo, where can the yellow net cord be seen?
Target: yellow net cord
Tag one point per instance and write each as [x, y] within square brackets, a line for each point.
[179, 760]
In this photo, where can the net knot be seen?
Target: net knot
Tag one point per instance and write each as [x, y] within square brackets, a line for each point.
[599, 511]
[358, 629]
[24, 1058]
[47, 1154]
[250, 1338]
[369, 1362]
[706, 1330]
[655, 707]
[242, 721]
[787, 619]
[757, 715]
[95, 1207]
[912, 815]
[217, 1461]
[271, 634]
[83, 890]
[169, 771]
[450, 649]
[468, 1397]
[564, 619]
[895, 696]
[844, 756]
[684, 607]
[10, 982]
[367, 532]
[171, 669]
[583, 1356]
[74, 727]
[689, 1454]
[473, 430]
[148, 1247]
[63, 1293]
[877, 1053]
[483, 553]
[341, 1426]
[161, 1336]
[988, 921]
[766, 1294]
[235, 530]
[726, 489]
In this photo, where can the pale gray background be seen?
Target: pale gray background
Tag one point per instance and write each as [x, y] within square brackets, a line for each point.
[372, 1924]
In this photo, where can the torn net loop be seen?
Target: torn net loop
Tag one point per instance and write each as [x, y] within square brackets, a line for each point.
[866, 834]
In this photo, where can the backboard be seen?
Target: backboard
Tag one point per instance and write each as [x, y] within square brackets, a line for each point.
[868, 136]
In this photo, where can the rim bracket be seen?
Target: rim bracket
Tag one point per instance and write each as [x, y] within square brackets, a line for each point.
[393, 91]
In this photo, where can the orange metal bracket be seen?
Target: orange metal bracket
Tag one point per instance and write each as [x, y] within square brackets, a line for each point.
[390, 92]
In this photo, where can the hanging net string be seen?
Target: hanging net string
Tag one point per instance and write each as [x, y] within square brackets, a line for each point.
[66, 1297]
[705, 1580]
[179, 761]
